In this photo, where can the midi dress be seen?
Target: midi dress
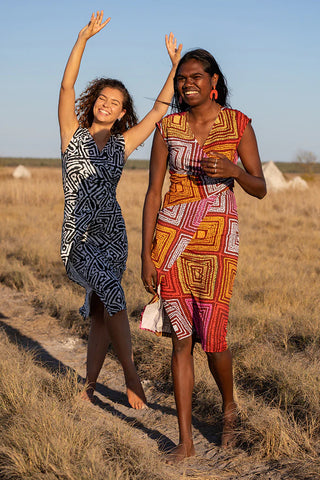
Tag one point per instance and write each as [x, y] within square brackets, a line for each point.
[94, 245]
[196, 242]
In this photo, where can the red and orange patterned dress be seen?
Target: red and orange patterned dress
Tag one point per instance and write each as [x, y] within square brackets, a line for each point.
[196, 243]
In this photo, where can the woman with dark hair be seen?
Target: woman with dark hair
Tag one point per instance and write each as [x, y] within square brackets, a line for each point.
[97, 136]
[211, 67]
[190, 246]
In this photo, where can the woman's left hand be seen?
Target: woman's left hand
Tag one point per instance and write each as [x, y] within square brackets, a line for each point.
[173, 51]
[94, 26]
[218, 165]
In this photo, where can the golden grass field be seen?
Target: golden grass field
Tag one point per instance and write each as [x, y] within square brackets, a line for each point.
[274, 334]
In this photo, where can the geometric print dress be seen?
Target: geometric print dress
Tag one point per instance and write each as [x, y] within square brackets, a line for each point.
[94, 245]
[196, 242]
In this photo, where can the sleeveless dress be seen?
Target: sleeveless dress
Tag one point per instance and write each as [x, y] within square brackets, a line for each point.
[196, 242]
[94, 245]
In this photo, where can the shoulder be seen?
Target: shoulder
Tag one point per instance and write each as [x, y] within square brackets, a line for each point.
[236, 114]
[236, 118]
[172, 122]
[117, 141]
[117, 138]
[172, 119]
[80, 136]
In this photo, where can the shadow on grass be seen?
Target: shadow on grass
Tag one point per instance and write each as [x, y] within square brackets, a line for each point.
[54, 365]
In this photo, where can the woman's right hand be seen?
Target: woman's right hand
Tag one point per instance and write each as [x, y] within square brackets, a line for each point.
[149, 276]
[94, 26]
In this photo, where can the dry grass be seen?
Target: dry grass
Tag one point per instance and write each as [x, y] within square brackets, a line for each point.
[48, 433]
[274, 329]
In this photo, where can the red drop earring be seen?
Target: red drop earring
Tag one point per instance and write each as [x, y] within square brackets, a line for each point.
[214, 93]
[180, 100]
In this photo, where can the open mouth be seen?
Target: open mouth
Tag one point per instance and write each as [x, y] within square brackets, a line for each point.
[190, 93]
[104, 112]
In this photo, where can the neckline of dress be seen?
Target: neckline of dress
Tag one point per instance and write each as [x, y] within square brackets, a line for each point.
[192, 133]
[95, 143]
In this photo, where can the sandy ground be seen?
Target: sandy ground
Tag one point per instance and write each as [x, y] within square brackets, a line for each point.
[57, 348]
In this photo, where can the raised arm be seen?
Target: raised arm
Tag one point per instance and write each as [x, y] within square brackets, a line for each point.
[138, 134]
[67, 117]
[158, 166]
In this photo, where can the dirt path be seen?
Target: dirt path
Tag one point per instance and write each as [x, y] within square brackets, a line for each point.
[58, 348]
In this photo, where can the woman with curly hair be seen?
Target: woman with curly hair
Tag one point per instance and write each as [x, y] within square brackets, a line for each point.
[97, 137]
[191, 246]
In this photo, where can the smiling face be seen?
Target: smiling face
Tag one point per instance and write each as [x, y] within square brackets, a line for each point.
[194, 84]
[109, 106]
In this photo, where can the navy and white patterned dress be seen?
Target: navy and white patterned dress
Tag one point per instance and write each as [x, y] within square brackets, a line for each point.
[94, 245]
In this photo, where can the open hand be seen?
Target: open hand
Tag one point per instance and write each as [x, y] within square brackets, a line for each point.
[94, 26]
[173, 51]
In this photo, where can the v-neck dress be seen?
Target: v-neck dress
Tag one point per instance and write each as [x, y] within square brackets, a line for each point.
[94, 244]
[196, 243]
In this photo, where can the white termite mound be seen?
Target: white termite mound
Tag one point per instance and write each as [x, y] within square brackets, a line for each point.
[21, 172]
[276, 182]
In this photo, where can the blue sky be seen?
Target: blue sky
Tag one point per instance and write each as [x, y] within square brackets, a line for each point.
[269, 51]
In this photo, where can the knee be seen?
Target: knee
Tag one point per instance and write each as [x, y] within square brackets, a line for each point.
[182, 347]
[217, 357]
[212, 355]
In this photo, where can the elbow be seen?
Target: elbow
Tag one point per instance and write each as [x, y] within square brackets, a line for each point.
[263, 192]
[63, 90]
[260, 189]
[65, 87]
[262, 195]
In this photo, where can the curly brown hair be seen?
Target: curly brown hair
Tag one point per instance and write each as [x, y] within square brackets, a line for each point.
[86, 101]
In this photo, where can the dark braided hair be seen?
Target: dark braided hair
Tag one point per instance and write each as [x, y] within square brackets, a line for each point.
[211, 67]
[87, 99]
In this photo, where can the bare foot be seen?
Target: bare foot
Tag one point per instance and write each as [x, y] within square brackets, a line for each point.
[135, 394]
[88, 393]
[229, 431]
[135, 400]
[180, 453]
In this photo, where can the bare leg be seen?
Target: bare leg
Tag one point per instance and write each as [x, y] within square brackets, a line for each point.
[98, 343]
[119, 330]
[220, 365]
[183, 381]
